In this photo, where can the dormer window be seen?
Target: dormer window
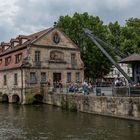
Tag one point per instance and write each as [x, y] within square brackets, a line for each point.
[7, 60]
[18, 58]
[4, 46]
[14, 42]
[22, 39]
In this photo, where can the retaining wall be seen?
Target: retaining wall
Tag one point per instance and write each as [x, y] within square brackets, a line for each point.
[122, 107]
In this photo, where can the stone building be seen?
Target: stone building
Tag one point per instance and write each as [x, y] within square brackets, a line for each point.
[28, 63]
[134, 61]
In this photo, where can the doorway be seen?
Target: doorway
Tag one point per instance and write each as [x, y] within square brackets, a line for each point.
[56, 77]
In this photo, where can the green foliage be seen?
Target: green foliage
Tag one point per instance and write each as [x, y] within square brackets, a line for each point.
[96, 64]
[123, 40]
[29, 96]
[126, 38]
[64, 103]
[30, 99]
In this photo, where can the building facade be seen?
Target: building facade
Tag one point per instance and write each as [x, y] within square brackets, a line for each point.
[29, 63]
[115, 73]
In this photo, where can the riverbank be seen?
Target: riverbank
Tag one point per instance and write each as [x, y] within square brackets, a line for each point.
[121, 107]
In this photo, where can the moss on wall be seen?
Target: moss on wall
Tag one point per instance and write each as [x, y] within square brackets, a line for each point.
[64, 103]
[29, 96]
[72, 106]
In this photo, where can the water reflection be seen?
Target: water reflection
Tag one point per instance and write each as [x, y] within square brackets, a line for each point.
[43, 122]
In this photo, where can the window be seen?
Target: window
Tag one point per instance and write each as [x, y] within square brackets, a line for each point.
[0, 61]
[77, 76]
[7, 60]
[73, 61]
[68, 77]
[5, 80]
[37, 56]
[43, 77]
[32, 77]
[18, 58]
[15, 79]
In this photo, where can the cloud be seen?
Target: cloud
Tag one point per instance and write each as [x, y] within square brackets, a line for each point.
[27, 16]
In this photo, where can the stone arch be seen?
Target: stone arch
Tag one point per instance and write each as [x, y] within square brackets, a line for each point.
[15, 98]
[5, 98]
[38, 98]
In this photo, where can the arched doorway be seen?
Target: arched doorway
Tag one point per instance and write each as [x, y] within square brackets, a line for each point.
[5, 98]
[38, 98]
[15, 98]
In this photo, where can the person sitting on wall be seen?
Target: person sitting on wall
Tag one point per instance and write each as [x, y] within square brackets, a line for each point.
[60, 86]
[85, 88]
[118, 82]
[71, 87]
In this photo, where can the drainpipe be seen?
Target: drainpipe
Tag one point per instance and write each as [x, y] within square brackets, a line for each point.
[21, 83]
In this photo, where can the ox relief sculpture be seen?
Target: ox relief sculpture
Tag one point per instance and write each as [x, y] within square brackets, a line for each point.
[57, 56]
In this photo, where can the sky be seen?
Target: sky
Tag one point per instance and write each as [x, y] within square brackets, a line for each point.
[28, 16]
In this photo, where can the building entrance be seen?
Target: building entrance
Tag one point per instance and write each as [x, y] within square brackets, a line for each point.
[56, 77]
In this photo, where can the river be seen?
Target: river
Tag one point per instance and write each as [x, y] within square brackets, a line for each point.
[46, 122]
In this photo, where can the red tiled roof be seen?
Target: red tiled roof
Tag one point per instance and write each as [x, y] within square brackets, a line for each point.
[30, 38]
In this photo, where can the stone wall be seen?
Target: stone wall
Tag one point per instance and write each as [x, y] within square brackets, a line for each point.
[122, 107]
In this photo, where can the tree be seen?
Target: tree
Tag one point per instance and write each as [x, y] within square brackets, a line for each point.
[131, 36]
[126, 39]
[96, 64]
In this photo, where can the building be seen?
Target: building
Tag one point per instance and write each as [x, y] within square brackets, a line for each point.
[29, 63]
[115, 73]
[134, 61]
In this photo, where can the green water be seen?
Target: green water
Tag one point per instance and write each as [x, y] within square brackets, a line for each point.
[44, 122]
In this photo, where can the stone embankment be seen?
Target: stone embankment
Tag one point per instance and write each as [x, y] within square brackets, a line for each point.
[121, 107]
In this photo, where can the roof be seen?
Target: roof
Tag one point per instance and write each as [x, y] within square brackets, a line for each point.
[132, 58]
[30, 39]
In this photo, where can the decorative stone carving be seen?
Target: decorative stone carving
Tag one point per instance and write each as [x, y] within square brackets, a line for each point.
[57, 55]
[56, 38]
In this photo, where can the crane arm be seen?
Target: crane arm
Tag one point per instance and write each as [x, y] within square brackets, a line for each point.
[93, 38]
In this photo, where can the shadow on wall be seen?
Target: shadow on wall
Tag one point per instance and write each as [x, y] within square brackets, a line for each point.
[15, 99]
[5, 98]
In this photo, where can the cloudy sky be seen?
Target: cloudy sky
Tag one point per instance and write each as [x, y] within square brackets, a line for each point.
[28, 16]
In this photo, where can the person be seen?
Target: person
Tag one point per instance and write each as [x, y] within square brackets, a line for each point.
[85, 87]
[49, 83]
[90, 87]
[118, 82]
[60, 85]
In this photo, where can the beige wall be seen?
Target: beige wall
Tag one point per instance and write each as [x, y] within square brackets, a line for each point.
[10, 79]
[45, 45]
[121, 107]
[10, 88]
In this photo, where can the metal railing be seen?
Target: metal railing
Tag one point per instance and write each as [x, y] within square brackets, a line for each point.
[122, 91]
